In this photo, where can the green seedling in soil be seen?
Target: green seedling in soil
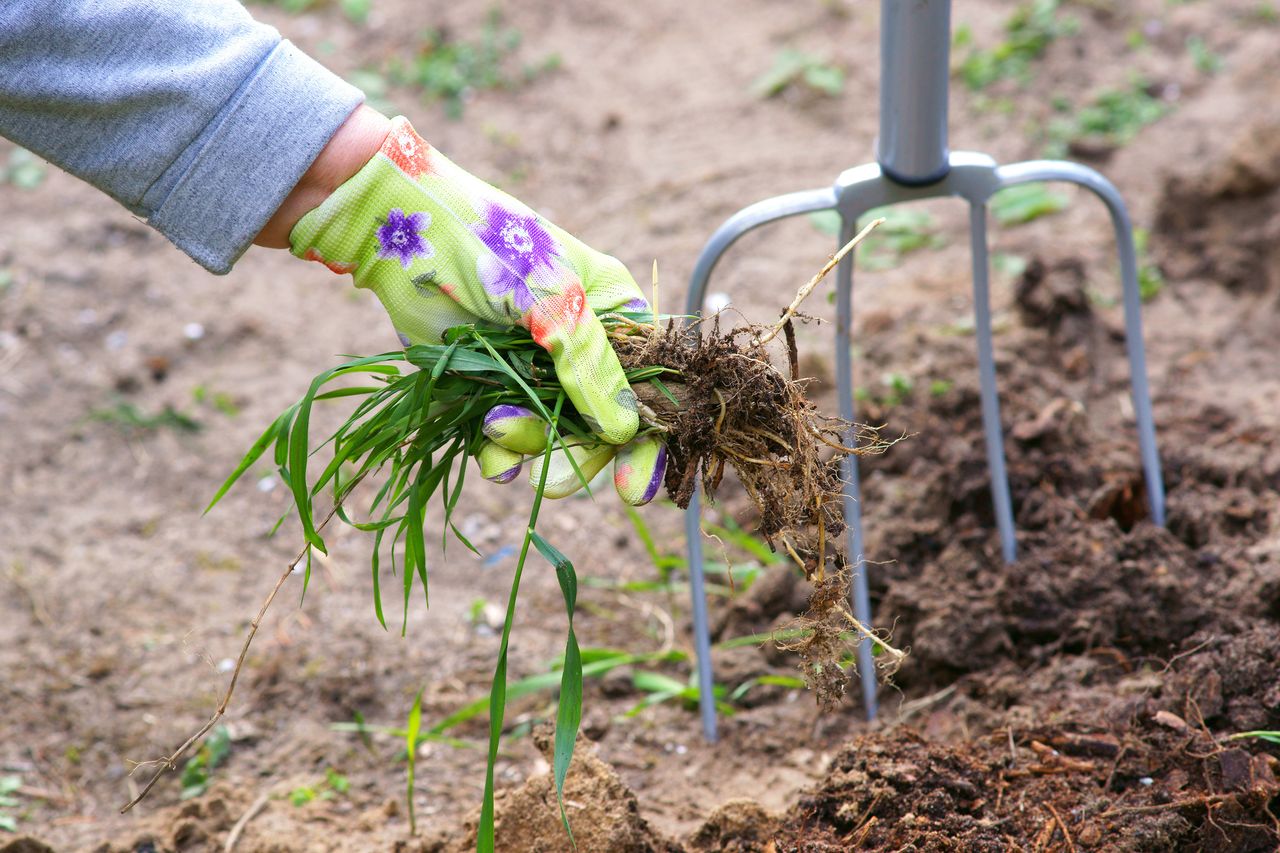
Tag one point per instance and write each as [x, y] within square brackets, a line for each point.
[665, 564]
[663, 688]
[475, 613]
[220, 400]
[793, 67]
[412, 724]
[1025, 202]
[198, 771]
[1150, 277]
[904, 231]
[1111, 121]
[128, 419]
[1263, 735]
[740, 575]
[897, 390]
[333, 784]
[1028, 33]
[1204, 59]
[23, 170]
[9, 786]
[451, 70]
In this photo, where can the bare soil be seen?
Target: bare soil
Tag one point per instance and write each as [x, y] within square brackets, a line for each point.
[1082, 698]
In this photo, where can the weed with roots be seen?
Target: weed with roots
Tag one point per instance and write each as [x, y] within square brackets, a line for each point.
[717, 400]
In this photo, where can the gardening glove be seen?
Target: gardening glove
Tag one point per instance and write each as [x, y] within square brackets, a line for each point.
[440, 248]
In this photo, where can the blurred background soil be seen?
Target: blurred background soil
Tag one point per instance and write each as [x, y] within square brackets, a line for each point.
[1082, 698]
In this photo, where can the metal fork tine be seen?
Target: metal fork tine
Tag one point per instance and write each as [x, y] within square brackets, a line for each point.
[701, 625]
[987, 382]
[852, 508]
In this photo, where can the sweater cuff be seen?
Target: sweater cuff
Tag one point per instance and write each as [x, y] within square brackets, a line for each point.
[251, 156]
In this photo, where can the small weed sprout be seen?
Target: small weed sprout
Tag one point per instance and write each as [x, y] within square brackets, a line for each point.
[128, 419]
[793, 67]
[23, 170]
[1112, 120]
[1150, 277]
[1020, 204]
[1204, 59]
[905, 230]
[334, 784]
[9, 786]
[198, 771]
[452, 70]
[1028, 33]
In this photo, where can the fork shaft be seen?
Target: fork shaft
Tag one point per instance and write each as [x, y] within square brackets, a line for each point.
[915, 45]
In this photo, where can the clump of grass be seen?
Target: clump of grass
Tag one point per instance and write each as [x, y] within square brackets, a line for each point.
[1112, 120]
[451, 70]
[129, 419]
[1028, 33]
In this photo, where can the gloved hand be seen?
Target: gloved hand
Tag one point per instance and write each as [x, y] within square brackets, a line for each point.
[439, 247]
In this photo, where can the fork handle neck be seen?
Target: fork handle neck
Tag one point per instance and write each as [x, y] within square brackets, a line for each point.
[915, 46]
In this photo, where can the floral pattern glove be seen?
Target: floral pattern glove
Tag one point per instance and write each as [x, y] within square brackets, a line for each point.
[440, 247]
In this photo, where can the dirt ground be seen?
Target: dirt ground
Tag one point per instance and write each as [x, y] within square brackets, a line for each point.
[1082, 698]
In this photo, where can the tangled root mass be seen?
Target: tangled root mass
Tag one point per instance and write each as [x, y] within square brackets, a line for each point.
[736, 409]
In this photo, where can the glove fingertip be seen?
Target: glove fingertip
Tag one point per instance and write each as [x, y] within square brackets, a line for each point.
[639, 470]
[516, 428]
[498, 464]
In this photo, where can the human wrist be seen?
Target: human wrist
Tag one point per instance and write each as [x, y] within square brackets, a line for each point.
[352, 146]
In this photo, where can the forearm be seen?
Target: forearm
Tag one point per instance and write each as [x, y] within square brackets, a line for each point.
[351, 147]
[190, 114]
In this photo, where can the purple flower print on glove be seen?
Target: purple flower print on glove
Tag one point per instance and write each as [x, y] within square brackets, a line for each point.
[401, 237]
[520, 246]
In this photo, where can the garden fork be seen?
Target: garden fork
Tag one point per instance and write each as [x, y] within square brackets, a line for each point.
[912, 163]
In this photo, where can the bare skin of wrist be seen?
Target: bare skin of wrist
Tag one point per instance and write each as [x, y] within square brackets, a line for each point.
[353, 145]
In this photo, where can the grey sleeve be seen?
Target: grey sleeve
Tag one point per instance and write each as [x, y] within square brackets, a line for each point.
[188, 112]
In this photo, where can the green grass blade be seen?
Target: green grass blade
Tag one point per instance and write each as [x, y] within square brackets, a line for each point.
[569, 711]
[411, 746]
[255, 452]
[498, 693]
